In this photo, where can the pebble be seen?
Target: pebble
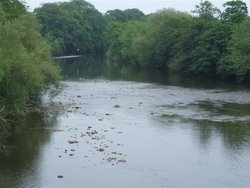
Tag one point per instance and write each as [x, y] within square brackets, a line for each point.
[101, 149]
[122, 161]
[117, 106]
[72, 141]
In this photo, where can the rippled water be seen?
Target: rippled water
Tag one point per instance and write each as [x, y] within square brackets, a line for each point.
[115, 133]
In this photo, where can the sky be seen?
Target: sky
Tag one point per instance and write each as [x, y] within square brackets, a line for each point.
[146, 6]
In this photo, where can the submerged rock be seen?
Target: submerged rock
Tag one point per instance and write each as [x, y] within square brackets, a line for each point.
[117, 106]
[110, 159]
[101, 149]
[121, 161]
[91, 133]
[72, 141]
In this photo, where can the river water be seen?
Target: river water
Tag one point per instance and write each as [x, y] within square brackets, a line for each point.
[127, 128]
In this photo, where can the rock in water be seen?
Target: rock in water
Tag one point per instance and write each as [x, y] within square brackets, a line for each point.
[117, 106]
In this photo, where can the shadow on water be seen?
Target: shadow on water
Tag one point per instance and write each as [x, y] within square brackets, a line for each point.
[232, 124]
[95, 67]
[234, 135]
[81, 68]
[231, 121]
[25, 145]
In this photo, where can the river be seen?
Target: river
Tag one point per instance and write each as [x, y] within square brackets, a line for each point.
[128, 128]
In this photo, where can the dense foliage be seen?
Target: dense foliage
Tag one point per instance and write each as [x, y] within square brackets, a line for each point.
[211, 44]
[25, 60]
[74, 27]
[125, 15]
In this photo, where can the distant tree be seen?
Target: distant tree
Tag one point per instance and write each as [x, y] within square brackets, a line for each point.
[206, 10]
[208, 47]
[12, 8]
[236, 64]
[235, 11]
[121, 38]
[74, 27]
[125, 16]
[134, 14]
[116, 15]
[164, 31]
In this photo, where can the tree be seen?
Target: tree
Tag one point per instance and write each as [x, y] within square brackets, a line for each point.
[236, 64]
[235, 12]
[26, 68]
[125, 16]
[206, 10]
[13, 8]
[134, 14]
[164, 30]
[120, 39]
[74, 27]
[210, 46]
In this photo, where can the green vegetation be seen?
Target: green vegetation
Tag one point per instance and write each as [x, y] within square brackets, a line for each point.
[74, 27]
[26, 68]
[210, 44]
[125, 16]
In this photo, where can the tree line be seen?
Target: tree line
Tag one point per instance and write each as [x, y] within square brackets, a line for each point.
[207, 43]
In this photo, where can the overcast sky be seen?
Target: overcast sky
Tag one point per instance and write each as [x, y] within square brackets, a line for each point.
[147, 6]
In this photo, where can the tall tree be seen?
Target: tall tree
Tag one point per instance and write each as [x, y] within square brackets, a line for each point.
[125, 16]
[74, 27]
[236, 64]
[26, 68]
[13, 8]
[235, 11]
[206, 10]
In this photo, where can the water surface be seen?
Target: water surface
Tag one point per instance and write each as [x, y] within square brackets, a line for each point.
[125, 128]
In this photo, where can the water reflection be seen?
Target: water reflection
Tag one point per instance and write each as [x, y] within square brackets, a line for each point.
[234, 135]
[231, 121]
[25, 146]
[96, 67]
[82, 68]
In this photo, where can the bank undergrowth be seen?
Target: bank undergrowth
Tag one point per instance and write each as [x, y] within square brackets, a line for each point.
[26, 68]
